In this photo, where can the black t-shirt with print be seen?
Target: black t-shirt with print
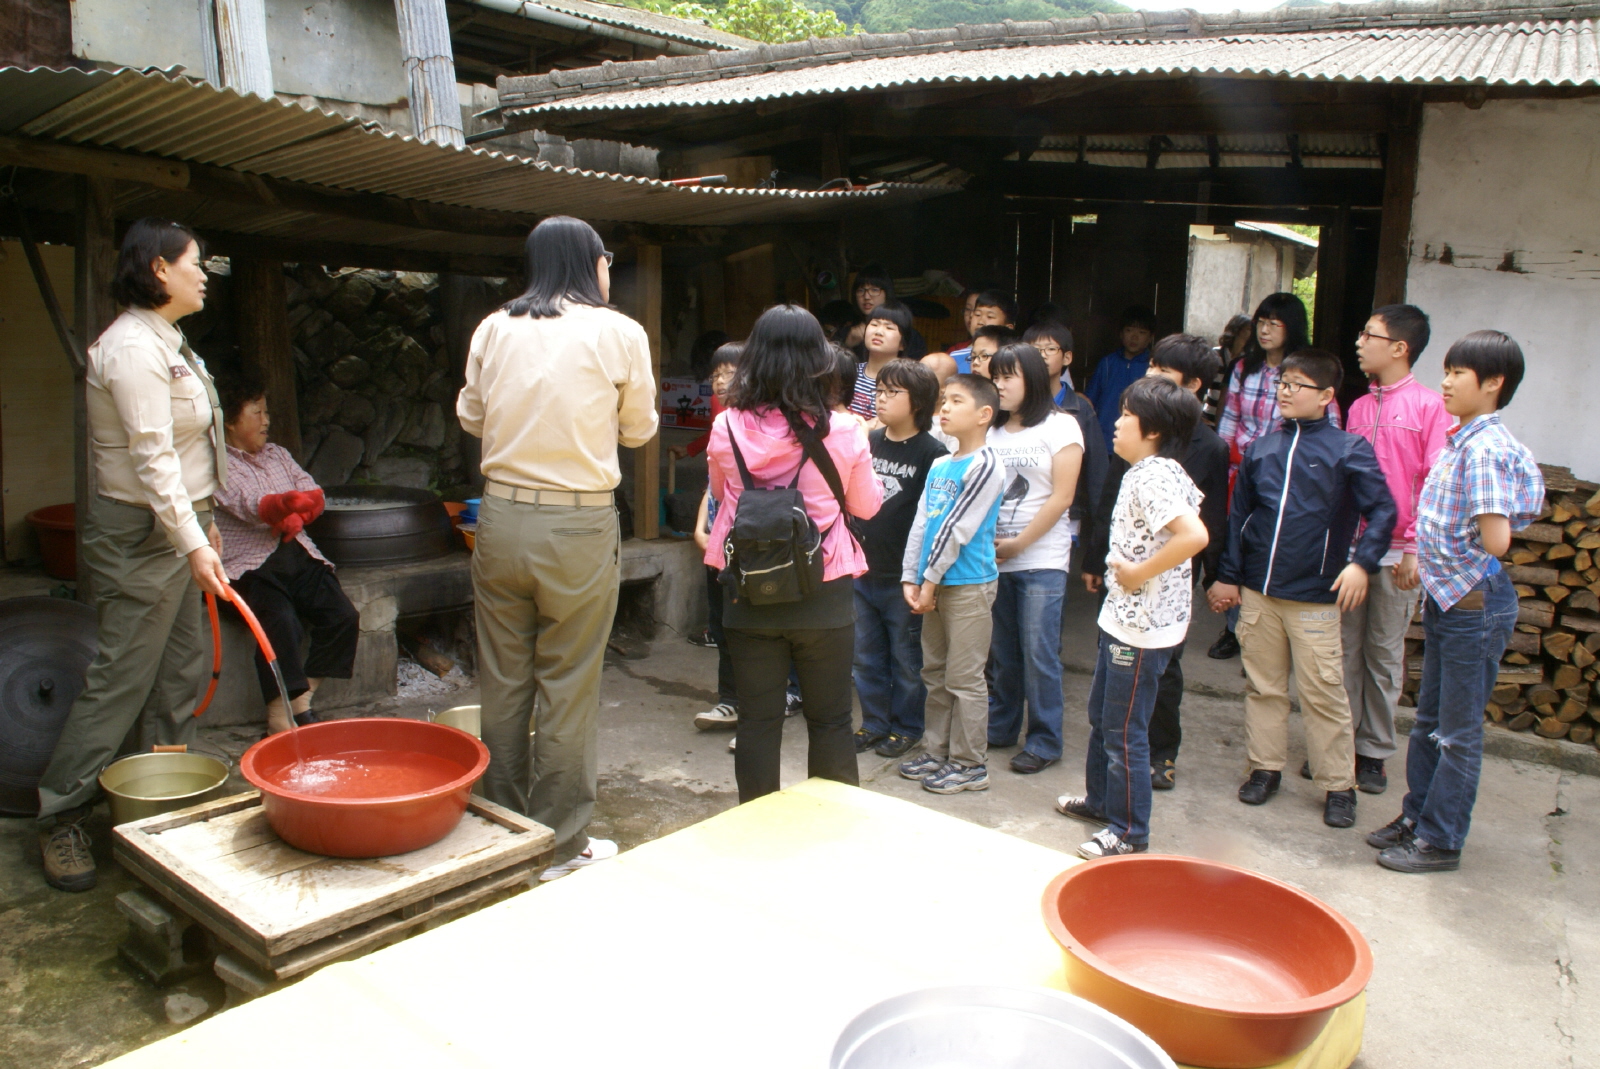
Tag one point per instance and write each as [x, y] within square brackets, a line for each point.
[902, 469]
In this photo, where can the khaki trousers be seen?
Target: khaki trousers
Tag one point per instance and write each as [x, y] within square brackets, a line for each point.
[1275, 633]
[955, 649]
[1375, 662]
[150, 666]
[544, 581]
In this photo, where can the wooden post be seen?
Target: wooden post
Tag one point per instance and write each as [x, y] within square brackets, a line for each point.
[1399, 190]
[262, 311]
[647, 459]
[1333, 264]
[431, 71]
[95, 257]
[246, 60]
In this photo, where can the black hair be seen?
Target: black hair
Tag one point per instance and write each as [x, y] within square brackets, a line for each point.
[1287, 309]
[873, 275]
[1038, 397]
[837, 318]
[979, 288]
[1189, 355]
[1318, 365]
[727, 353]
[998, 299]
[1487, 353]
[1407, 323]
[134, 284]
[1164, 408]
[1049, 312]
[1002, 335]
[842, 387]
[1238, 325]
[1053, 329]
[899, 315]
[1137, 315]
[562, 253]
[701, 351]
[237, 389]
[982, 391]
[788, 364]
[920, 384]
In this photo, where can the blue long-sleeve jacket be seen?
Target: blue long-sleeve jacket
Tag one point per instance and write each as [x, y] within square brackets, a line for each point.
[1301, 493]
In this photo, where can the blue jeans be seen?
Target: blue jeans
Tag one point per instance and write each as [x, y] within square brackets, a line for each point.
[1025, 660]
[888, 661]
[1459, 663]
[1117, 766]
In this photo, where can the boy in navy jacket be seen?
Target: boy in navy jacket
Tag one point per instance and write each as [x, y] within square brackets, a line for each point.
[1300, 495]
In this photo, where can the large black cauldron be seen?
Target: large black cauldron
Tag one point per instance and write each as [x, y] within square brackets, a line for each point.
[381, 525]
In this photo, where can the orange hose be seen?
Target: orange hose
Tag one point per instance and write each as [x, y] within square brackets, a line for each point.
[216, 654]
[216, 645]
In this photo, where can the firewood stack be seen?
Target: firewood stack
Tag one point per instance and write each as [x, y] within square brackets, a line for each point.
[1548, 676]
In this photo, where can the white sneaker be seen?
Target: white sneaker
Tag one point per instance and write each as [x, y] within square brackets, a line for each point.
[733, 744]
[598, 850]
[722, 715]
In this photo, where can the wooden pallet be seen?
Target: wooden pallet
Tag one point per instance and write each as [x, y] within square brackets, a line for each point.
[284, 912]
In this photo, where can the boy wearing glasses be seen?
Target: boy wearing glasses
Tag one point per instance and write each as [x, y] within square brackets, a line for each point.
[1407, 425]
[1301, 493]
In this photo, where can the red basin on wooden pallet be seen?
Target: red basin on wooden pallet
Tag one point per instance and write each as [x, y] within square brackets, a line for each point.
[1221, 966]
[365, 787]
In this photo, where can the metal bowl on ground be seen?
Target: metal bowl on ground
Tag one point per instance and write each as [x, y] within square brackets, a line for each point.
[148, 784]
[381, 525]
[1221, 966]
[365, 787]
[46, 646]
[993, 1027]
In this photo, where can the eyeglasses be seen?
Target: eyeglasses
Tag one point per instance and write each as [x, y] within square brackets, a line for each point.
[610, 257]
[1046, 350]
[1292, 388]
[1365, 334]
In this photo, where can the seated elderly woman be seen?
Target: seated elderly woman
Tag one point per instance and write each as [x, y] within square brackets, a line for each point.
[271, 561]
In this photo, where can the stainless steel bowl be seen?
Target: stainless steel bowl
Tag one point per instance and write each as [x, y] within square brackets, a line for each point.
[995, 1028]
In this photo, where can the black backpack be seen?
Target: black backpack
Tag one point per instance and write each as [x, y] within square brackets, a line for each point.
[773, 548]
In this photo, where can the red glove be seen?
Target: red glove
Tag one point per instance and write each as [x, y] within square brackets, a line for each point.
[291, 526]
[308, 503]
[278, 511]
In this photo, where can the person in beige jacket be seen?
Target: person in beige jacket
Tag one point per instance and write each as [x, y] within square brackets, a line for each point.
[554, 381]
[148, 539]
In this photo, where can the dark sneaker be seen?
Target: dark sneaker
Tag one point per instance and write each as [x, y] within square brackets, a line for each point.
[792, 705]
[1260, 786]
[1027, 763]
[1106, 844]
[896, 745]
[954, 778]
[1305, 770]
[1070, 805]
[68, 865]
[921, 767]
[1397, 831]
[702, 637]
[1414, 855]
[1370, 776]
[1339, 811]
[307, 718]
[866, 740]
[1163, 776]
[1226, 646]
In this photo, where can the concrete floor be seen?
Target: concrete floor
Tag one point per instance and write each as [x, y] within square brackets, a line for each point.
[1489, 967]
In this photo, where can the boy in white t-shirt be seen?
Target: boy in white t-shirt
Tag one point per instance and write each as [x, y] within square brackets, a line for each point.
[1155, 530]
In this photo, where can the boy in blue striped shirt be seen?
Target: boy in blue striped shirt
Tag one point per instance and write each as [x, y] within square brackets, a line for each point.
[950, 577]
[1484, 485]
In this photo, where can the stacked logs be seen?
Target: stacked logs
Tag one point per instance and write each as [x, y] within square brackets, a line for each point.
[1549, 680]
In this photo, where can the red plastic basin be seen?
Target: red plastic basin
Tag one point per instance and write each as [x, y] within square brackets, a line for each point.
[365, 788]
[1221, 966]
[56, 528]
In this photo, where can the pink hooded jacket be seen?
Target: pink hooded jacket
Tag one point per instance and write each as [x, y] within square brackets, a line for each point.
[773, 454]
[1407, 425]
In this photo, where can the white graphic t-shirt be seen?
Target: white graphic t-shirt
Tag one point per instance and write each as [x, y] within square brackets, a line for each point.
[1155, 492]
[1028, 454]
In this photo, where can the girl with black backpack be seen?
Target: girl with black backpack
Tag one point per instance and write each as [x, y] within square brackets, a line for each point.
[789, 479]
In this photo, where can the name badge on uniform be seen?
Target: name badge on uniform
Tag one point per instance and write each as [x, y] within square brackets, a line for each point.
[180, 371]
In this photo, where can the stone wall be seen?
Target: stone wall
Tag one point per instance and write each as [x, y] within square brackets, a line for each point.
[376, 389]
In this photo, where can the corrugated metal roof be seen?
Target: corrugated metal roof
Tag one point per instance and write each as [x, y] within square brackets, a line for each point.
[649, 22]
[1528, 54]
[183, 119]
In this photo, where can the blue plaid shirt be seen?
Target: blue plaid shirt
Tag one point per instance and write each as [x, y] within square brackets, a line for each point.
[1482, 471]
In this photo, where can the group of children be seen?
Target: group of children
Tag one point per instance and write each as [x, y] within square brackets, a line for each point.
[996, 473]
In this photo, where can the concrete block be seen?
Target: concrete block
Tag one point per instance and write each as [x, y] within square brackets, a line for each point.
[676, 572]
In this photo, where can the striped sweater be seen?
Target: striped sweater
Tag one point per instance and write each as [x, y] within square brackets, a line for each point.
[952, 538]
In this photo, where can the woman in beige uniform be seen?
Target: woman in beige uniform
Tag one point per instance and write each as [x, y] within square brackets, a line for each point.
[148, 540]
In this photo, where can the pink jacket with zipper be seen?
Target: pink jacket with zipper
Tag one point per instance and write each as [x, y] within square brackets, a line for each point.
[773, 454]
[1407, 425]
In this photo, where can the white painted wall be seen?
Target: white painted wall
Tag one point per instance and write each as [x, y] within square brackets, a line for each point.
[1518, 179]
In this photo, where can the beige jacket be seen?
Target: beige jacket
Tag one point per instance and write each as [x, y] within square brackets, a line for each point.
[551, 398]
[151, 418]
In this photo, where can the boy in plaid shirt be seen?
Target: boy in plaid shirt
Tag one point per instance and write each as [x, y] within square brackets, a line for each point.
[1483, 486]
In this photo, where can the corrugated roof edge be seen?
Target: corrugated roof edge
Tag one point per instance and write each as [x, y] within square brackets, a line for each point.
[531, 90]
[652, 23]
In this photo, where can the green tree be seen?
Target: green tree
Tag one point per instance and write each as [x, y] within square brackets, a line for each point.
[895, 16]
[772, 21]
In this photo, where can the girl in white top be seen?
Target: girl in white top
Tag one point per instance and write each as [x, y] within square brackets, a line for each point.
[1042, 449]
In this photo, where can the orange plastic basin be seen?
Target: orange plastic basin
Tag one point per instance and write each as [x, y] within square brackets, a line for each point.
[1221, 966]
[365, 787]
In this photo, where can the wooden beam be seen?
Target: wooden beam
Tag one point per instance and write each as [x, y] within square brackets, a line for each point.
[647, 459]
[95, 257]
[336, 254]
[1243, 186]
[262, 326]
[94, 162]
[1066, 121]
[1399, 191]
